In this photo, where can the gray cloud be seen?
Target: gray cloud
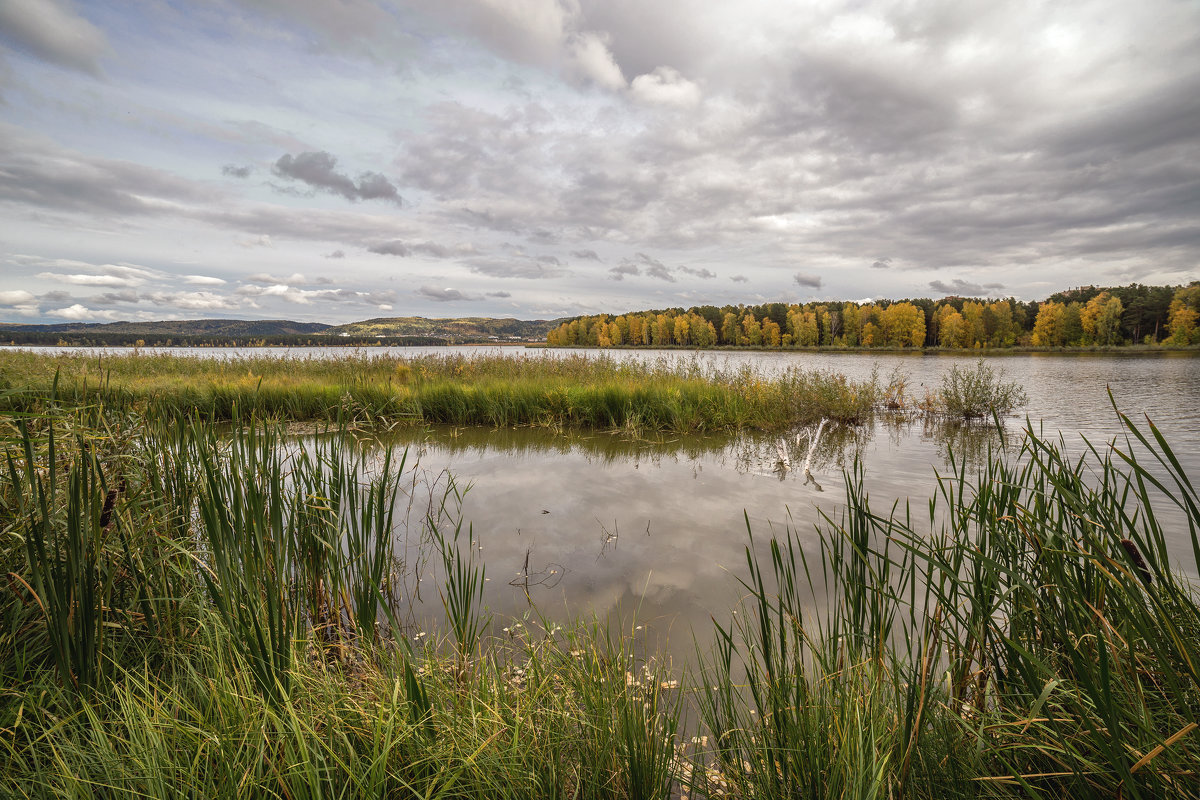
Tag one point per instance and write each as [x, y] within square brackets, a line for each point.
[235, 171]
[499, 294]
[444, 295]
[336, 254]
[739, 279]
[514, 266]
[807, 280]
[396, 247]
[700, 272]
[619, 272]
[660, 272]
[653, 268]
[392, 248]
[585, 255]
[36, 172]
[960, 287]
[51, 30]
[881, 263]
[319, 170]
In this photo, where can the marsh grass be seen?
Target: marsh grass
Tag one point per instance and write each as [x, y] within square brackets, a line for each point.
[1029, 641]
[225, 626]
[597, 392]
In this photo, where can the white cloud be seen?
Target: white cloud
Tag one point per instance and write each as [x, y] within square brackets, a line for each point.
[193, 301]
[665, 86]
[295, 279]
[592, 60]
[16, 297]
[202, 280]
[78, 312]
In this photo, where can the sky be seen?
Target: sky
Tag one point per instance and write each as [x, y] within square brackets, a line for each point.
[341, 160]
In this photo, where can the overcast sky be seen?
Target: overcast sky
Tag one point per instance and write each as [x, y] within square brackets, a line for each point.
[334, 161]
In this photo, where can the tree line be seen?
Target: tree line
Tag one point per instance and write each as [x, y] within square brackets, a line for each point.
[1085, 317]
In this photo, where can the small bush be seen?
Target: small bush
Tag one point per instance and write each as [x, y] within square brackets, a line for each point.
[979, 392]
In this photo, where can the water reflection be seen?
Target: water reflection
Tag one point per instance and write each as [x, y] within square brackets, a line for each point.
[602, 524]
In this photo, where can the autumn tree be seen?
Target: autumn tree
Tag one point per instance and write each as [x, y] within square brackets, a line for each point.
[751, 331]
[1184, 314]
[1101, 320]
[682, 331]
[903, 325]
[952, 329]
[1048, 327]
[771, 332]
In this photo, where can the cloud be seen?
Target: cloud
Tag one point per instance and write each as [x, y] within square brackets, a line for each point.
[593, 61]
[652, 267]
[191, 301]
[295, 278]
[202, 280]
[299, 296]
[319, 170]
[666, 87]
[881, 263]
[234, 171]
[78, 312]
[960, 287]
[499, 294]
[16, 297]
[739, 279]
[397, 247]
[444, 295]
[517, 265]
[53, 31]
[701, 272]
[116, 275]
[336, 254]
[36, 172]
[392, 248]
[258, 241]
[619, 272]
[586, 255]
[808, 281]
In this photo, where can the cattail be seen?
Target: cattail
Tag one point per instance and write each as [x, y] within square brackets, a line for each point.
[1140, 563]
[110, 500]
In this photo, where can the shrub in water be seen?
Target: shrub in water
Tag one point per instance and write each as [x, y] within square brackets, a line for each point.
[979, 392]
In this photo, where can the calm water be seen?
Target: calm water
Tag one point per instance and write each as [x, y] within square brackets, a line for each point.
[603, 525]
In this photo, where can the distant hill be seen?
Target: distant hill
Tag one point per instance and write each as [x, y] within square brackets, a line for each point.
[187, 327]
[456, 330]
[239, 332]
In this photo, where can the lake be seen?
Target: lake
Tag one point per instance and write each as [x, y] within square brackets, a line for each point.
[593, 523]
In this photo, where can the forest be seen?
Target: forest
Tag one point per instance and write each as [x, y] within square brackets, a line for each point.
[1084, 317]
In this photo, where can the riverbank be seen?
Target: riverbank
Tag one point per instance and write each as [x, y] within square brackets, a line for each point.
[178, 619]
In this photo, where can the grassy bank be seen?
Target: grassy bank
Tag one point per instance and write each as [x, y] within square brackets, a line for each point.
[194, 613]
[569, 391]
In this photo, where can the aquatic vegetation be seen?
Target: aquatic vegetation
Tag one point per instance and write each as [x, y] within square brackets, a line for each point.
[978, 393]
[217, 610]
[570, 390]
